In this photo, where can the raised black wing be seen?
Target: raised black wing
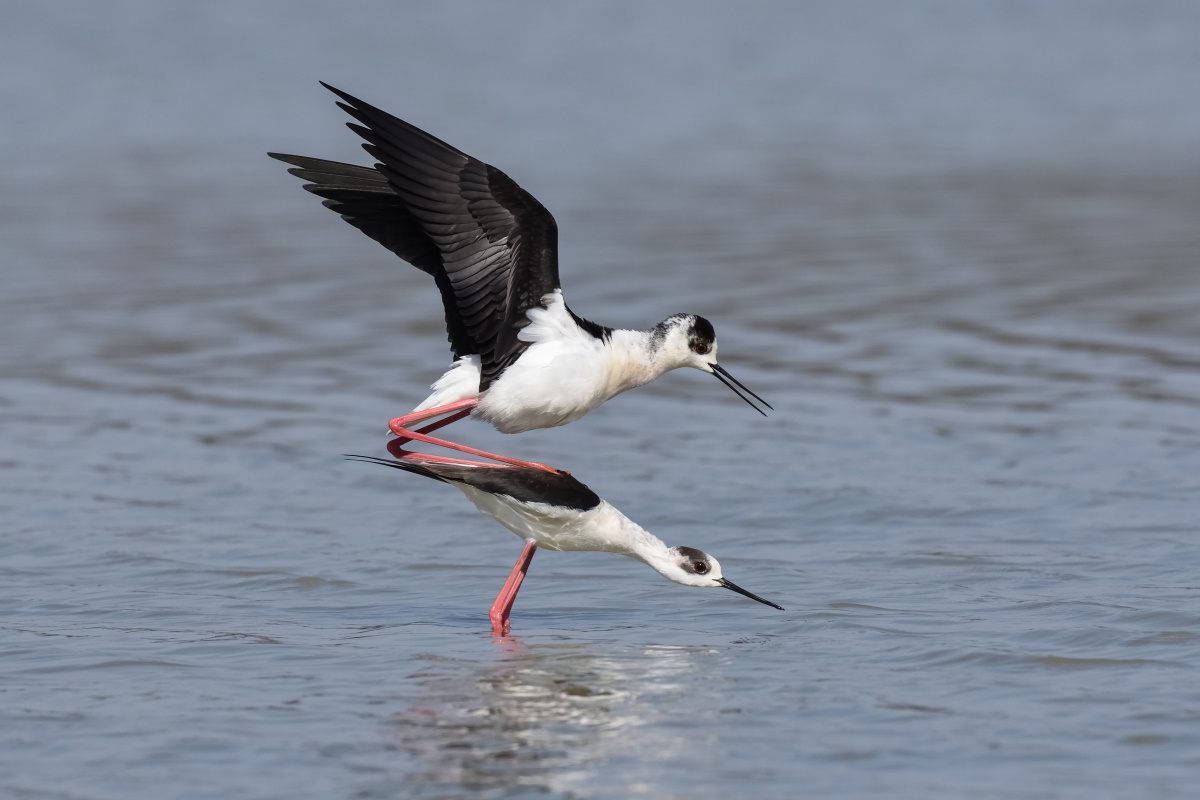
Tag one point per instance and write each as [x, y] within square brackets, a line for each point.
[367, 201]
[498, 245]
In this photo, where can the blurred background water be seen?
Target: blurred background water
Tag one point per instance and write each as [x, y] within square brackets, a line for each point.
[954, 244]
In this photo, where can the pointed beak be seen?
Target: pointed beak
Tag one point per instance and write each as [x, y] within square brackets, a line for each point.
[730, 585]
[733, 383]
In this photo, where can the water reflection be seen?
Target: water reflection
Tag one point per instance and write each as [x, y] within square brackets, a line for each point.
[542, 718]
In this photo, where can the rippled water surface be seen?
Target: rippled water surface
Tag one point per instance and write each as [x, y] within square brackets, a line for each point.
[955, 246]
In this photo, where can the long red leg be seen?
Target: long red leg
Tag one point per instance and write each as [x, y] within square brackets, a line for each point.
[398, 424]
[441, 423]
[437, 411]
[399, 452]
[504, 601]
[396, 447]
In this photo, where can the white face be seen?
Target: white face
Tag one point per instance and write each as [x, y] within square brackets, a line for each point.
[686, 340]
[690, 341]
[693, 567]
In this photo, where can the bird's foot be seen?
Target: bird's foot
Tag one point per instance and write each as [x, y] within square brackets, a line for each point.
[508, 595]
[500, 624]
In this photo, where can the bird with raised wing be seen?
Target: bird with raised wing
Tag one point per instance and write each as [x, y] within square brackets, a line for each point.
[554, 511]
[523, 359]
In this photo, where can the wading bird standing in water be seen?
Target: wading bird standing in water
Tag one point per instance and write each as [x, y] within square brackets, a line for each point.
[523, 359]
[555, 511]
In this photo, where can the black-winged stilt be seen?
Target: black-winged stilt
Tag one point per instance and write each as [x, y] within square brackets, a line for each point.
[554, 511]
[523, 359]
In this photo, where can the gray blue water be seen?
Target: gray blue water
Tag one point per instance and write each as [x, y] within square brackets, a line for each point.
[955, 245]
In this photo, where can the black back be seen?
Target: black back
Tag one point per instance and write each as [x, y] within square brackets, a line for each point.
[523, 484]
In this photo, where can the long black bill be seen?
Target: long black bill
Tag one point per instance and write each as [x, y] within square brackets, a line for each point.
[729, 585]
[734, 384]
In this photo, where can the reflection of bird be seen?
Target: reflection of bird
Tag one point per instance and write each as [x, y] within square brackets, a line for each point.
[556, 512]
[523, 359]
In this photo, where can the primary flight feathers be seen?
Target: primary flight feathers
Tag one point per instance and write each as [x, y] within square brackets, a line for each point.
[491, 247]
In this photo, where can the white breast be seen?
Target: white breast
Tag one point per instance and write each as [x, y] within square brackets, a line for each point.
[554, 528]
[553, 383]
[564, 374]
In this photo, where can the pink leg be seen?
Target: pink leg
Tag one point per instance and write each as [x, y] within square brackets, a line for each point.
[504, 602]
[399, 452]
[398, 424]
[417, 416]
[441, 423]
[396, 447]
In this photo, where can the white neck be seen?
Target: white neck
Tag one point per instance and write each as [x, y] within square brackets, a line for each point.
[638, 543]
[633, 362]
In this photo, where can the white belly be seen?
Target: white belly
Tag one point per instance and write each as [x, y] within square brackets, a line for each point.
[551, 384]
[599, 529]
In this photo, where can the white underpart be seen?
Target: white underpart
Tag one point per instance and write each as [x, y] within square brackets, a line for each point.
[564, 373]
[601, 529]
[460, 382]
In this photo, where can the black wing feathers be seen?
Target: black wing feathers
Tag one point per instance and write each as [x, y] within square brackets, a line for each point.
[364, 199]
[367, 201]
[496, 246]
[520, 483]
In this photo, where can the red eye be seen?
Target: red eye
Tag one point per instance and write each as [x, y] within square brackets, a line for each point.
[701, 348]
[700, 567]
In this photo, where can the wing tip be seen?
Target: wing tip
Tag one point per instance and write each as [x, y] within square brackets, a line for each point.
[333, 89]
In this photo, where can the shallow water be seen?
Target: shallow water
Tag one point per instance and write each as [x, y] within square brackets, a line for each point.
[956, 250]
